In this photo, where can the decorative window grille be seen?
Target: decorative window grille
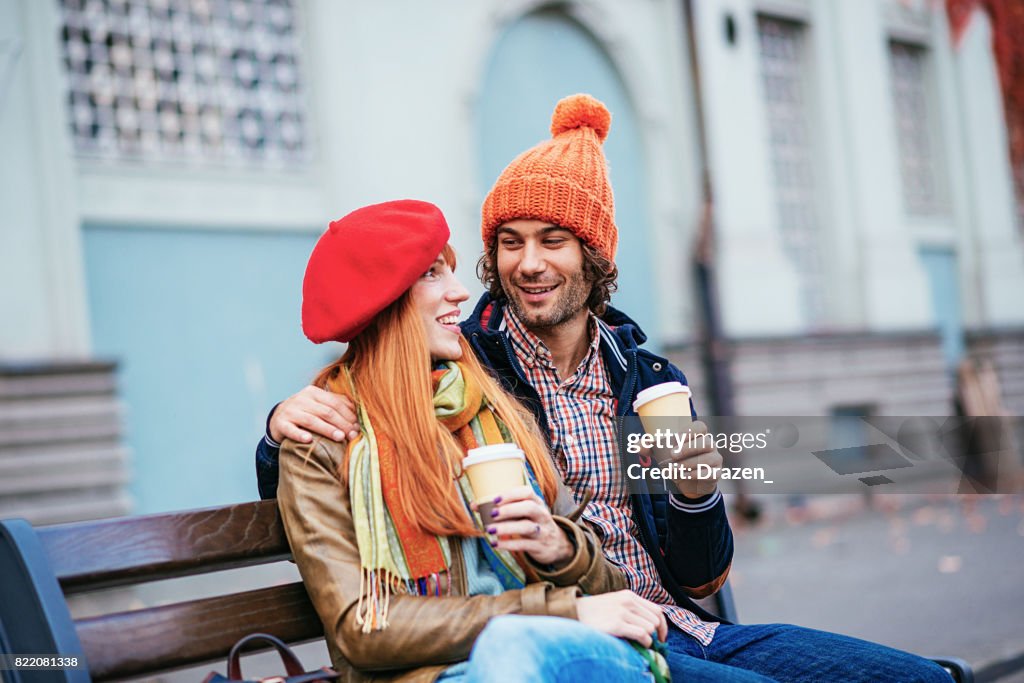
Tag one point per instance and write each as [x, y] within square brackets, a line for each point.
[200, 81]
[784, 77]
[914, 128]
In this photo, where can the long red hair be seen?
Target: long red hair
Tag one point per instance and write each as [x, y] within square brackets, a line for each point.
[389, 364]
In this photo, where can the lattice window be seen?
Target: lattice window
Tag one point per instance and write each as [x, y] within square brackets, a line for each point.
[908, 64]
[784, 80]
[208, 81]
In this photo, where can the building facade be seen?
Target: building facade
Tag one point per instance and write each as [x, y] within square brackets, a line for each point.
[169, 165]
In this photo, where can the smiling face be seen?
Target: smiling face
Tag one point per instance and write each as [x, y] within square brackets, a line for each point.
[541, 270]
[436, 295]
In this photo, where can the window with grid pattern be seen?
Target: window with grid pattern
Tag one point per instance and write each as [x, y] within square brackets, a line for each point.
[213, 82]
[783, 53]
[908, 66]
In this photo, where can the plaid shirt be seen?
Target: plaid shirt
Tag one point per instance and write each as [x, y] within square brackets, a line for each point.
[581, 413]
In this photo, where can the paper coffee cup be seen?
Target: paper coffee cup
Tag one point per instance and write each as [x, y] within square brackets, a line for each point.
[664, 406]
[669, 399]
[492, 470]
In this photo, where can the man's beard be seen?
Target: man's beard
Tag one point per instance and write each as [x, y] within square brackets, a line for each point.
[572, 298]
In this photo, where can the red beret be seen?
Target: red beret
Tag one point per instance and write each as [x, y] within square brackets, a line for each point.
[364, 262]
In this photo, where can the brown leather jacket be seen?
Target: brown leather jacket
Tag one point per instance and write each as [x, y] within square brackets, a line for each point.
[424, 635]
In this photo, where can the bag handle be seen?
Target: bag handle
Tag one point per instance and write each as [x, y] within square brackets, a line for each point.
[292, 665]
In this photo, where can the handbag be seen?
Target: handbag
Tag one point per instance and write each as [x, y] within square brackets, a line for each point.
[294, 672]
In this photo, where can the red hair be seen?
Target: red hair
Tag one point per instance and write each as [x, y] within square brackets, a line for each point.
[390, 365]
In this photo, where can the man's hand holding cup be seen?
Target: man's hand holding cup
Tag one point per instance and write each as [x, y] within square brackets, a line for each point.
[667, 406]
[690, 457]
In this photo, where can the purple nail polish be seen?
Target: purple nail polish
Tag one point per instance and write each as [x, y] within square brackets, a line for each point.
[494, 513]
[494, 543]
[497, 500]
[492, 530]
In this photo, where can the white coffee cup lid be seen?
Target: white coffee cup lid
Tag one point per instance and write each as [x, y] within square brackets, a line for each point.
[658, 390]
[499, 451]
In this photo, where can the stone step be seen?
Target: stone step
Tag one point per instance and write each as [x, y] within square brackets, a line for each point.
[67, 506]
[33, 386]
[61, 455]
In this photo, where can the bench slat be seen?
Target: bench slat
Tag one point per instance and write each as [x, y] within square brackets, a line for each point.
[162, 638]
[116, 552]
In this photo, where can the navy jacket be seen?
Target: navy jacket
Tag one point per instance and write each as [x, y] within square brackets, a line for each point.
[691, 550]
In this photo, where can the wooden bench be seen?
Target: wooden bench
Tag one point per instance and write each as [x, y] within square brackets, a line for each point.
[39, 567]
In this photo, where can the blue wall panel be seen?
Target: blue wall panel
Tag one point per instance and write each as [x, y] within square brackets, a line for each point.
[940, 265]
[206, 326]
[540, 59]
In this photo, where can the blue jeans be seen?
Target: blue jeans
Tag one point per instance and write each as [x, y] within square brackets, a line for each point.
[780, 652]
[516, 649]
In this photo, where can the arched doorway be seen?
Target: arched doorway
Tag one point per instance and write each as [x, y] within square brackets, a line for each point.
[539, 59]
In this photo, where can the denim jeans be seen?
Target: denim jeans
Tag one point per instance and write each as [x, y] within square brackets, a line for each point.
[526, 649]
[780, 652]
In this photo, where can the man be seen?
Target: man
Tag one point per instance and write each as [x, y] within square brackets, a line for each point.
[545, 328]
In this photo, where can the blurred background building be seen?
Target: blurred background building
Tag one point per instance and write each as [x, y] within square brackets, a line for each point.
[167, 166]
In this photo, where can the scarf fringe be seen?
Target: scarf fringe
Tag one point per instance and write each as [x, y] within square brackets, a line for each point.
[376, 587]
[395, 557]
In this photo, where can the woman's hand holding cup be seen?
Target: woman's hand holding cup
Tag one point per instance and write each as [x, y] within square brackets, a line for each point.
[520, 521]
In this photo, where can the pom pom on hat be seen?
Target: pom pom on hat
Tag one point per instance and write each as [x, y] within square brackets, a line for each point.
[364, 262]
[581, 111]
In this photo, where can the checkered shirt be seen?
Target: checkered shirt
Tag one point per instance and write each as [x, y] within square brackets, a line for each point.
[581, 414]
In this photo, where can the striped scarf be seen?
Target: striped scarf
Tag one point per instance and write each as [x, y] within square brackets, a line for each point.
[395, 555]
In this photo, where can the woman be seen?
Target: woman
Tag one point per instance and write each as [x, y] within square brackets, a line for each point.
[408, 585]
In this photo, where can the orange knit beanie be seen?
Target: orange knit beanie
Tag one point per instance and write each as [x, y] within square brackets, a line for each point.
[563, 180]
